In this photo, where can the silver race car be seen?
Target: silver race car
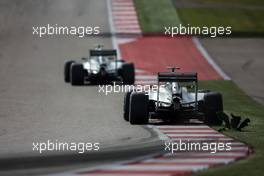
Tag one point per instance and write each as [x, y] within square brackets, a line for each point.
[177, 97]
[102, 67]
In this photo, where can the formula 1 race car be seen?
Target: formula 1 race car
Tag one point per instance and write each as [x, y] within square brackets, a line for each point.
[101, 67]
[177, 97]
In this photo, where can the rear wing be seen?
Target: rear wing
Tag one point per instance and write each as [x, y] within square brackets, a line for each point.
[103, 53]
[177, 77]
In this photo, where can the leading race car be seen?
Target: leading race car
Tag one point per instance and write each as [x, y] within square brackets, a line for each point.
[177, 97]
[101, 67]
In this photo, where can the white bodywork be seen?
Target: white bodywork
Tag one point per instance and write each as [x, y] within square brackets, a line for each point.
[93, 64]
[167, 91]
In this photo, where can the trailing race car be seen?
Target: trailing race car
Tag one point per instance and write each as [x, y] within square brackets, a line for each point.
[177, 97]
[101, 67]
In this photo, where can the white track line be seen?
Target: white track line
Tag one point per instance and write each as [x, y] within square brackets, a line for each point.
[209, 59]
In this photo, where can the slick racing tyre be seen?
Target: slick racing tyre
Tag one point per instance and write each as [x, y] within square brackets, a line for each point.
[67, 69]
[138, 109]
[77, 74]
[126, 106]
[128, 74]
[213, 103]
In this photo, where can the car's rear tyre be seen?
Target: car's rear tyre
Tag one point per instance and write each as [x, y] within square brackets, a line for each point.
[67, 69]
[128, 73]
[213, 104]
[77, 74]
[126, 106]
[138, 109]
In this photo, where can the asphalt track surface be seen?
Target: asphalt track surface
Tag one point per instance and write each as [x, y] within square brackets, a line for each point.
[242, 59]
[39, 106]
[36, 104]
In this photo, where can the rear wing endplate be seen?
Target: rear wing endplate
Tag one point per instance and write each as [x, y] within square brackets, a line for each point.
[103, 53]
[177, 77]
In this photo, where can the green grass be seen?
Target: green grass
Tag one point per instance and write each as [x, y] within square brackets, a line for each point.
[236, 101]
[244, 18]
[154, 15]
[241, 20]
[235, 2]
